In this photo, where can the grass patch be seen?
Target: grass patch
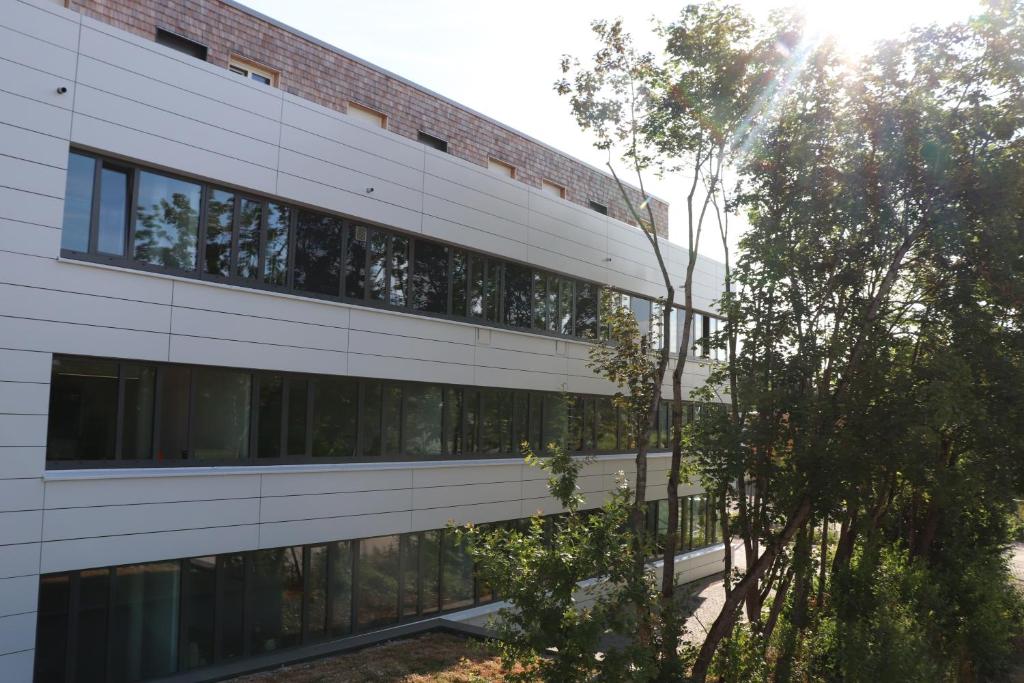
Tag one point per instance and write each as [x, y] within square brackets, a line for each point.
[432, 657]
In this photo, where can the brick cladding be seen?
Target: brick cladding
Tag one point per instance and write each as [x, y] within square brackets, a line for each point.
[314, 72]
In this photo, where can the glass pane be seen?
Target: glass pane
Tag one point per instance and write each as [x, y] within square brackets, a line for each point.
[166, 221]
[145, 636]
[336, 405]
[540, 301]
[174, 383]
[492, 291]
[565, 300]
[52, 628]
[341, 588]
[430, 277]
[518, 281]
[223, 400]
[316, 601]
[457, 574]
[392, 420]
[276, 599]
[370, 429]
[268, 436]
[78, 203]
[232, 635]
[536, 409]
[139, 393]
[698, 512]
[453, 421]
[606, 424]
[199, 598]
[220, 218]
[552, 305]
[496, 421]
[685, 532]
[298, 400]
[378, 582]
[520, 420]
[93, 618]
[476, 286]
[555, 420]
[472, 421]
[355, 263]
[430, 571]
[113, 218]
[399, 270]
[460, 273]
[410, 549]
[318, 253]
[275, 266]
[83, 409]
[586, 310]
[642, 312]
[577, 424]
[422, 419]
[377, 273]
[249, 217]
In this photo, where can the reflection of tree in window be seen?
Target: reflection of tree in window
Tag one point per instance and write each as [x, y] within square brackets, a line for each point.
[340, 590]
[249, 215]
[335, 401]
[377, 590]
[492, 290]
[220, 210]
[222, 402]
[586, 310]
[422, 419]
[540, 301]
[565, 300]
[167, 221]
[459, 275]
[276, 599]
[453, 422]
[430, 277]
[517, 295]
[355, 263]
[495, 425]
[476, 286]
[457, 573]
[377, 274]
[318, 240]
[399, 270]
[275, 265]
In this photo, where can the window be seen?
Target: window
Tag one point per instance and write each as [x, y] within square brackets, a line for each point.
[83, 409]
[232, 220]
[456, 573]
[339, 582]
[430, 277]
[422, 419]
[518, 280]
[166, 221]
[275, 604]
[552, 189]
[355, 262]
[367, 116]
[181, 44]
[597, 206]
[252, 70]
[586, 310]
[377, 587]
[144, 641]
[335, 417]
[501, 168]
[199, 609]
[318, 253]
[78, 202]
[220, 429]
[431, 141]
[275, 264]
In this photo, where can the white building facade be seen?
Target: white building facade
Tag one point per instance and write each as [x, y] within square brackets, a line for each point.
[255, 355]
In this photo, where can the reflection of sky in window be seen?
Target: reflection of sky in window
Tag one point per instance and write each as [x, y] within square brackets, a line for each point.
[113, 211]
[168, 220]
[78, 203]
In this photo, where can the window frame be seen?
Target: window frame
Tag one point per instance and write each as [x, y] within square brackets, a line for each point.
[502, 169]
[250, 67]
[545, 183]
[366, 109]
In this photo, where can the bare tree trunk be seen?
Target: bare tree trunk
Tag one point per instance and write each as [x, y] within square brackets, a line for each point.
[777, 602]
[723, 511]
[727, 617]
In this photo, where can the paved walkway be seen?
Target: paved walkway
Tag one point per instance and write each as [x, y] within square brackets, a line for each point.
[1017, 562]
[706, 599]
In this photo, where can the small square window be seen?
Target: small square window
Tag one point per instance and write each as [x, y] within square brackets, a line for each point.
[364, 114]
[431, 141]
[181, 44]
[249, 69]
[501, 168]
[597, 206]
[553, 189]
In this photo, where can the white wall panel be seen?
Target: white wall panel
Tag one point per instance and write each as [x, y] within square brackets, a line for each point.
[24, 366]
[22, 461]
[359, 203]
[48, 22]
[86, 340]
[18, 205]
[319, 506]
[111, 520]
[83, 309]
[18, 595]
[111, 550]
[242, 354]
[22, 430]
[18, 666]
[17, 632]
[279, 534]
[216, 325]
[20, 527]
[21, 494]
[104, 488]
[325, 481]
[27, 238]
[83, 278]
[208, 296]
[44, 57]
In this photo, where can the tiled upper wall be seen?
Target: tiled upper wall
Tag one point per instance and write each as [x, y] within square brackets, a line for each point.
[332, 78]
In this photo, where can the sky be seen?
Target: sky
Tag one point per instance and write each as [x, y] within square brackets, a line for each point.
[502, 58]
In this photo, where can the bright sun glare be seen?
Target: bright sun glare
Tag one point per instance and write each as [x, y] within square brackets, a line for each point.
[858, 25]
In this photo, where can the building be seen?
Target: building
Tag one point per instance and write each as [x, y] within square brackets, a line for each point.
[270, 317]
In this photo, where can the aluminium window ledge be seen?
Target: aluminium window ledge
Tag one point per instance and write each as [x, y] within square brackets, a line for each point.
[141, 472]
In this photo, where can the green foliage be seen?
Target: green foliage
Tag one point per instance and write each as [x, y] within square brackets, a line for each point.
[551, 629]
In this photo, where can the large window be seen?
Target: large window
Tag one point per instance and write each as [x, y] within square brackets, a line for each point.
[318, 253]
[142, 621]
[166, 225]
[106, 412]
